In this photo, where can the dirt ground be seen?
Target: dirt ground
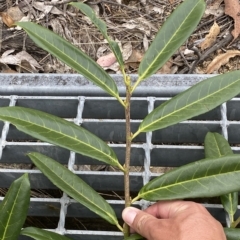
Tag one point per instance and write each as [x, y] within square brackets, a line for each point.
[133, 23]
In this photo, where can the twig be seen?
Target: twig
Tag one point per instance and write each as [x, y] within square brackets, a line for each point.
[208, 22]
[215, 47]
[31, 9]
[120, 5]
[59, 3]
[184, 59]
[99, 2]
[1, 25]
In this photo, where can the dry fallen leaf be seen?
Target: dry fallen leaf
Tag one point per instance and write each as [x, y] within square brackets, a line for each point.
[232, 8]
[221, 60]
[135, 57]
[15, 13]
[127, 51]
[166, 68]
[145, 43]
[107, 60]
[7, 19]
[215, 9]
[41, 6]
[211, 37]
[158, 10]
[18, 59]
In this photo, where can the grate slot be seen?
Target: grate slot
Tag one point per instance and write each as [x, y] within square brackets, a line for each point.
[75, 99]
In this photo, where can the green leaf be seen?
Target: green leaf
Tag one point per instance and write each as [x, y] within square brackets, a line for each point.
[14, 208]
[232, 233]
[40, 234]
[204, 178]
[74, 186]
[198, 99]
[55, 130]
[70, 55]
[230, 204]
[102, 27]
[171, 36]
[216, 145]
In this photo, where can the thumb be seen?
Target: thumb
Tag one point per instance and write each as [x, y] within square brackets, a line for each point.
[143, 223]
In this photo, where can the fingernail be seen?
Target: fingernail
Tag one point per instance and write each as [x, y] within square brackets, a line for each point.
[129, 215]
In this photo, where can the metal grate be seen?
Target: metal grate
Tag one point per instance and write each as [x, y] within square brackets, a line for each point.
[75, 99]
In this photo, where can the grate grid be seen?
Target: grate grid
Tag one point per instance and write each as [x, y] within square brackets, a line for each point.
[83, 104]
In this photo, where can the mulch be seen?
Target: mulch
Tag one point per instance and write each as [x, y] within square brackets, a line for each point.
[131, 22]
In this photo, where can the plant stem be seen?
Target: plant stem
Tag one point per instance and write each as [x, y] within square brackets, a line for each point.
[135, 85]
[121, 101]
[235, 223]
[128, 151]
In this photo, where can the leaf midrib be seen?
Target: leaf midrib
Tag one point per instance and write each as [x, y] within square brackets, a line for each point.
[170, 40]
[37, 36]
[217, 146]
[186, 106]
[76, 192]
[67, 136]
[187, 181]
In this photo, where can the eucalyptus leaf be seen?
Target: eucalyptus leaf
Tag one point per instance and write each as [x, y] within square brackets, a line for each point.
[70, 55]
[102, 27]
[198, 99]
[204, 178]
[216, 145]
[40, 234]
[74, 187]
[55, 130]
[174, 32]
[232, 233]
[14, 208]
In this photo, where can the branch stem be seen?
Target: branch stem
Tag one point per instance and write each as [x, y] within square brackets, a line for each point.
[128, 150]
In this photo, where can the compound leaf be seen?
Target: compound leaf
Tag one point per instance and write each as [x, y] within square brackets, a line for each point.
[70, 55]
[74, 186]
[40, 234]
[14, 208]
[55, 130]
[102, 27]
[204, 178]
[174, 32]
[216, 145]
[198, 99]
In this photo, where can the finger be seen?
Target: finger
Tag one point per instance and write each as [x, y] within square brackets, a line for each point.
[170, 209]
[145, 224]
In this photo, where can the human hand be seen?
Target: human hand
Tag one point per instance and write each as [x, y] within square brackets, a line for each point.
[174, 220]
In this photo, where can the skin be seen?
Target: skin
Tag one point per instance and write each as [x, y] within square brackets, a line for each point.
[174, 220]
